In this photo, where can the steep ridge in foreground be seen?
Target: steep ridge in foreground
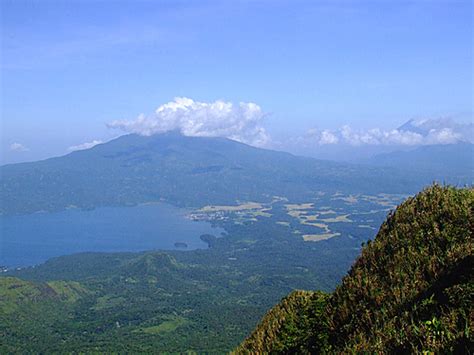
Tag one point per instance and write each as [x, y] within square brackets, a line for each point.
[411, 290]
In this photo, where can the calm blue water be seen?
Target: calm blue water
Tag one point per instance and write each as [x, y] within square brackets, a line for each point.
[32, 239]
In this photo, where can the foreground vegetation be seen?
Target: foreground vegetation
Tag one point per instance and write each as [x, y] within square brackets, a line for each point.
[411, 290]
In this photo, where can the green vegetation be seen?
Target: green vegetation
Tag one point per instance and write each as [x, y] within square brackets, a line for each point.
[204, 300]
[166, 326]
[209, 300]
[33, 313]
[69, 291]
[285, 327]
[411, 290]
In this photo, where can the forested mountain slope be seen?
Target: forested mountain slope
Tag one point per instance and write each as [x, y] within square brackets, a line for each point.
[184, 171]
[411, 290]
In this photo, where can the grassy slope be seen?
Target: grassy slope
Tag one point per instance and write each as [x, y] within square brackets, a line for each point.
[144, 302]
[411, 289]
[34, 312]
[285, 327]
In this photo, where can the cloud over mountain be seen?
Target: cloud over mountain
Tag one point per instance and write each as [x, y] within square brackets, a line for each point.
[241, 122]
[413, 132]
[18, 147]
[86, 145]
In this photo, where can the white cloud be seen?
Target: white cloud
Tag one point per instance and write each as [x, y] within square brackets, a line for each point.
[241, 122]
[86, 145]
[18, 147]
[377, 136]
[422, 132]
[327, 137]
[443, 136]
[441, 130]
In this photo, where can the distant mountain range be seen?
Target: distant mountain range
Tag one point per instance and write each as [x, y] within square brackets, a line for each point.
[184, 171]
[464, 132]
[361, 145]
[441, 160]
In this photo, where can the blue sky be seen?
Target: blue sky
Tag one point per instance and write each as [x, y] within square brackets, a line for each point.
[70, 67]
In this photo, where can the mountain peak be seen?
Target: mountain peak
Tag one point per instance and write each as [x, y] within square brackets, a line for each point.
[411, 125]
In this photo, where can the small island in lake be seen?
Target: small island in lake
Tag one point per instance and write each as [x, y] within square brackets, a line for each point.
[180, 245]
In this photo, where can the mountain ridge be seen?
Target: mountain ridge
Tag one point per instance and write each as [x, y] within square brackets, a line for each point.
[438, 159]
[411, 290]
[184, 171]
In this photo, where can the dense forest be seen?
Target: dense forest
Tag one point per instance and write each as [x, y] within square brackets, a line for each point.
[411, 289]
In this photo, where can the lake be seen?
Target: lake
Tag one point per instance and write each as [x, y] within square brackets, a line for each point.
[32, 239]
